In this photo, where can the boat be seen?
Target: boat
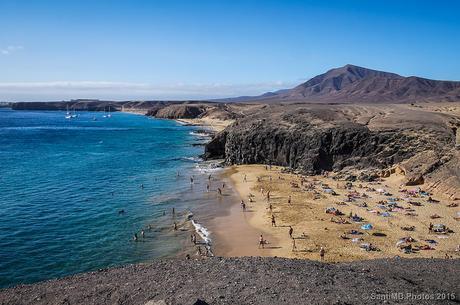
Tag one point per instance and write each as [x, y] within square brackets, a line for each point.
[68, 115]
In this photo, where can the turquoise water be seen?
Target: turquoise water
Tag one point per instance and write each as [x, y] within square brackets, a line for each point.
[62, 183]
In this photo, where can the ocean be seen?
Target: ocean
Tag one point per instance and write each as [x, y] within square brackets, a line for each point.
[74, 191]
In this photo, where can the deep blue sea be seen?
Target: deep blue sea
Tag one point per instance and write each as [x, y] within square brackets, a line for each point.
[63, 182]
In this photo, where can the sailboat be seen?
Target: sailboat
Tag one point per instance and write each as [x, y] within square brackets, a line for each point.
[74, 115]
[68, 115]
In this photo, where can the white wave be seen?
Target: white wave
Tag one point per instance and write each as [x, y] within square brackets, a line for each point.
[204, 233]
[200, 134]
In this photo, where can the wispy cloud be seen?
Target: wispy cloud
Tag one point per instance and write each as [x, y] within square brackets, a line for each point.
[126, 90]
[10, 49]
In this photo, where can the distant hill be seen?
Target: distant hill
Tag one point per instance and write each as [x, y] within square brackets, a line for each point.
[353, 84]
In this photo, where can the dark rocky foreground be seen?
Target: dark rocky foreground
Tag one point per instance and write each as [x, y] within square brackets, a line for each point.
[253, 280]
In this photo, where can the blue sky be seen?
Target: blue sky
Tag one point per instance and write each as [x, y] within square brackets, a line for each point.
[203, 49]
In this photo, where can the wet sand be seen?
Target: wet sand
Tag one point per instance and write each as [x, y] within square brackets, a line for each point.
[237, 233]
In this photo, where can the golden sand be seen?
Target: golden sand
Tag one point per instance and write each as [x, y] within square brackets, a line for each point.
[313, 227]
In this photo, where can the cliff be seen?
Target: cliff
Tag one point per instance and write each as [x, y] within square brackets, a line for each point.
[316, 138]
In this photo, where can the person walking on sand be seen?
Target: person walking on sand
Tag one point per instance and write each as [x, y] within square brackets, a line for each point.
[261, 242]
[207, 188]
[289, 199]
[219, 191]
[273, 221]
[291, 230]
[175, 226]
[243, 205]
[245, 178]
[209, 177]
[430, 228]
[294, 247]
[223, 185]
[270, 207]
[268, 196]
[321, 253]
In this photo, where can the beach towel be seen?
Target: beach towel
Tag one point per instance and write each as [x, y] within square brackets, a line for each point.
[367, 226]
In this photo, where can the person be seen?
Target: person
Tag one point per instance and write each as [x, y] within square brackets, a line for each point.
[243, 205]
[209, 177]
[270, 207]
[261, 241]
[142, 186]
[149, 227]
[142, 233]
[173, 211]
[135, 237]
[273, 221]
[121, 212]
[219, 191]
[175, 226]
[294, 247]
[187, 256]
[177, 174]
[191, 179]
[289, 199]
[321, 253]
[223, 185]
[199, 251]
[207, 187]
[268, 196]
[430, 228]
[291, 230]
[245, 178]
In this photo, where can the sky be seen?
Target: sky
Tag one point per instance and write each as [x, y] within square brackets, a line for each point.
[139, 49]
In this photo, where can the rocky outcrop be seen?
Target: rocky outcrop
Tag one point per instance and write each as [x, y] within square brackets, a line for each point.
[317, 138]
[181, 111]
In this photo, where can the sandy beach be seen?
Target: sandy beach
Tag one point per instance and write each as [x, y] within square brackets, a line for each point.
[237, 232]
[214, 124]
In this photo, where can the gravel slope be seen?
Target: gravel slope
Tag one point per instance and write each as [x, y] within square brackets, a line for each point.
[251, 280]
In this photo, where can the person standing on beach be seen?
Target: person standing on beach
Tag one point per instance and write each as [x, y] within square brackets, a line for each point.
[207, 187]
[209, 177]
[291, 230]
[175, 226]
[245, 178]
[223, 185]
[268, 196]
[321, 253]
[294, 247]
[243, 205]
[273, 221]
[261, 241]
[219, 191]
[191, 179]
[173, 211]
[289, 199]
[270, 207]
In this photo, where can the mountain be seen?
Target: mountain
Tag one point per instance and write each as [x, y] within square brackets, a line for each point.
[353, 84]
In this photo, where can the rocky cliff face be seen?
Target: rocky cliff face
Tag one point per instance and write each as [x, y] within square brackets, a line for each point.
[314, 138]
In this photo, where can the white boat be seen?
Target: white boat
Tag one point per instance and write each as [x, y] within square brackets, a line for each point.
[67, 114]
